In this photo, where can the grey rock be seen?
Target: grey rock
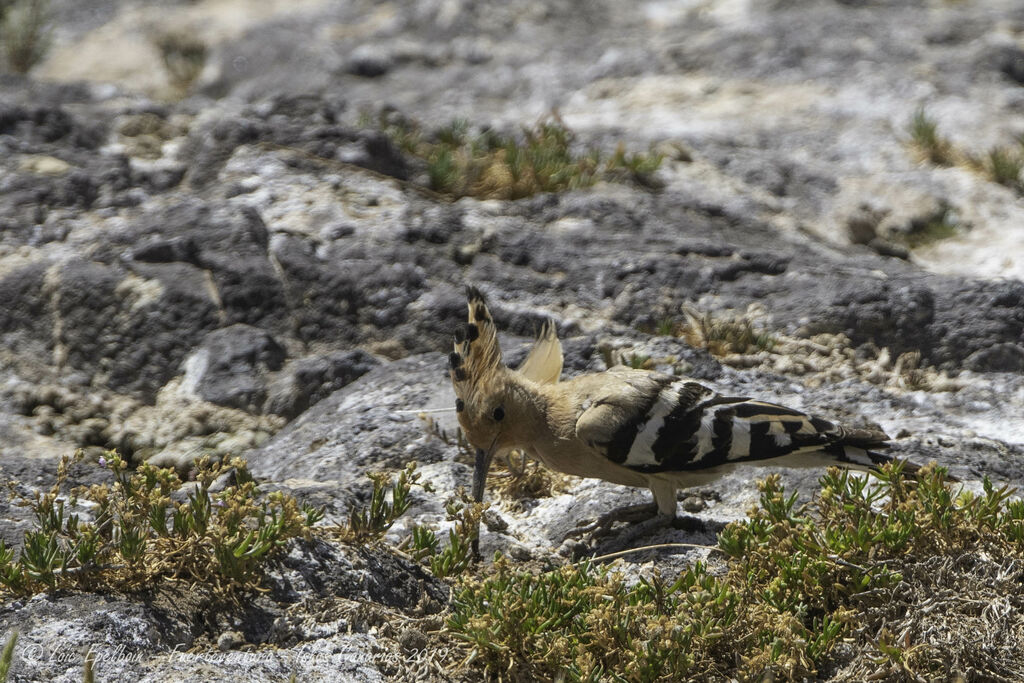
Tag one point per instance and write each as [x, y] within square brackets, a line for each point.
[494, 521]
[862, 225]
[412, 639]
[359, 428]
[129, 335]
[306, 381]
[280, 217]
[344, 295]
[1010, 61]
[50, 124]
[886, 248]
[139, 636]
[880, 310]
[230, 243]
[230, 640]
[230, 366]
[321, 569]
[1003, 357]
[54, 635]
[26, 320]
[306, 123]
[167, 250]
[520, 553]
[369, 61]
[693, 504]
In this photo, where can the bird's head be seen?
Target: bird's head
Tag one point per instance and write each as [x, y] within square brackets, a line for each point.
[481, 386]
[491, 399]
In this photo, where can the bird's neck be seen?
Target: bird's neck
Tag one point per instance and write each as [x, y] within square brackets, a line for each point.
[529, 407]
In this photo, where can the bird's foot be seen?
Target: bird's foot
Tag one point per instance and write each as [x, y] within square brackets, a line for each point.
[642, 520]
[600, 539]
[630, 514]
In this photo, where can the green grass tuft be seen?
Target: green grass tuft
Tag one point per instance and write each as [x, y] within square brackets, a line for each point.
[724, 336]
[930, 229]
[638, 361]
[1004, 166]
[25, 32]
[489, 165]
[184, 57]
[924, 133]
[371, 522]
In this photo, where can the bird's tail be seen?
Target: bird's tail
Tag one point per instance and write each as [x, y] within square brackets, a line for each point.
[861, 447]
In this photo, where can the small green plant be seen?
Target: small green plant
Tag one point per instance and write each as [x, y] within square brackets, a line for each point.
[25, 32]
[667, 327]
[924, 134]
[931, 229]
[11, 572]
[184, 57]
[7, 656]
[423, 543]
[136, 534]
[1004, 166]
[638, 361]
[371, 522]
[583, 622]
[456, 557]
[637, 168]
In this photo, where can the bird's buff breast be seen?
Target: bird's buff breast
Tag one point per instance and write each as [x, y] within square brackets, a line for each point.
[570, 461]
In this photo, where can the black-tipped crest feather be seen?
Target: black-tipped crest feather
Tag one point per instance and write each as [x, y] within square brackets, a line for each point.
[477, 355]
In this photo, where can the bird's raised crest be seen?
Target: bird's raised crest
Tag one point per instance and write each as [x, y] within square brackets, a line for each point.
[475, 363]
[477, 355]
[544, 362]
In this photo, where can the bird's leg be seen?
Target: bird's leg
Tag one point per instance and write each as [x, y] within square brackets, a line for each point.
[651, 515]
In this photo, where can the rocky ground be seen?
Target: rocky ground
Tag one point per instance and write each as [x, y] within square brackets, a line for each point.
[255, 269]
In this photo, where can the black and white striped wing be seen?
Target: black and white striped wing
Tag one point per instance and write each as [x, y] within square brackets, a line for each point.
[669, 424]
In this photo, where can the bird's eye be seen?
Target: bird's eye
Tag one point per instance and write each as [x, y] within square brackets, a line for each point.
[460, 405]
[499, 414]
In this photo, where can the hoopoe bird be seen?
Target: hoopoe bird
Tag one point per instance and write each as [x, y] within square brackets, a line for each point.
[626, 426]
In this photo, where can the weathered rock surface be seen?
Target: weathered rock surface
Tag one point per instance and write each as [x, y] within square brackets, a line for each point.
[309, 619]
[255, 270]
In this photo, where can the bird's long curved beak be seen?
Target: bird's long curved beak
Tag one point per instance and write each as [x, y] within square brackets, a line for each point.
[480, 468]
[483, 464]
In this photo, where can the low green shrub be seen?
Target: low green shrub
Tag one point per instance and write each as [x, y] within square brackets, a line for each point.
[133, 533]
[799, 580]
